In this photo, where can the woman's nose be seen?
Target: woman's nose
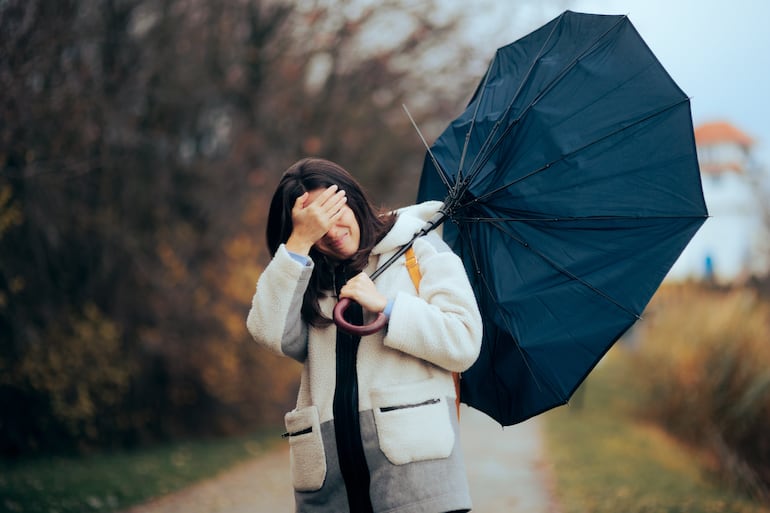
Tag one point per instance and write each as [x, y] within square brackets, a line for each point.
[332, 233]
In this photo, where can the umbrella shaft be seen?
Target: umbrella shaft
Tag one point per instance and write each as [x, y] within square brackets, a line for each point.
[433, 223]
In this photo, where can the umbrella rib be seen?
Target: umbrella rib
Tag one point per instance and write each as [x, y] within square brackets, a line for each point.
[571, 65]
[488, 154]
[490, 137]
[508, 327]
[477, 219]
[473, 124]
[576, 151]
[565, 271]
[429, 226]
[436, 165]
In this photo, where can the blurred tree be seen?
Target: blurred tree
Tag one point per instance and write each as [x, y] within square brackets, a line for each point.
[323, 98]
[116, 190]
[139, 145]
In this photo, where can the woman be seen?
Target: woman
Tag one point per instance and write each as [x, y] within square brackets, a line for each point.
[375, 427]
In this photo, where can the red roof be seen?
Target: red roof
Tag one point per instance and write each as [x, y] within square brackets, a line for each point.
[720, 132]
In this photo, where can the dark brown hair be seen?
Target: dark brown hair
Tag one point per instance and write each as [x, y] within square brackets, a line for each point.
[308, 175]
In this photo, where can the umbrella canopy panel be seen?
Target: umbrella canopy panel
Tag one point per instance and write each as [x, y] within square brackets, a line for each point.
[572, 185]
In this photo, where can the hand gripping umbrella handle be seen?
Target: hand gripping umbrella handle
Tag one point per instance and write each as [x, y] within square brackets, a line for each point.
[367, 329]
[381, 320]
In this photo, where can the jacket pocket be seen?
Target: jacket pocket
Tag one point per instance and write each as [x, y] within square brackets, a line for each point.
[413, 422]
[307, 456]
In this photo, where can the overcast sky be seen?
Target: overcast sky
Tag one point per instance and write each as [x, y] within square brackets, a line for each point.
[718, 51]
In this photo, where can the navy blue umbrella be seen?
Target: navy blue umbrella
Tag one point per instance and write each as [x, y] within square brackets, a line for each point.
[571, 185]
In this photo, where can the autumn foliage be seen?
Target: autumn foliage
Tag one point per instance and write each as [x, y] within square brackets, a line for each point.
[140, 142]
[703, 365]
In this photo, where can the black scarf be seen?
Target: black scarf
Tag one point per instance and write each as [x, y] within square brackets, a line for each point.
[347, 429]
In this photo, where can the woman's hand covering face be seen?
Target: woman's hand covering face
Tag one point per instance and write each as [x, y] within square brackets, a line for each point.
[313, 217]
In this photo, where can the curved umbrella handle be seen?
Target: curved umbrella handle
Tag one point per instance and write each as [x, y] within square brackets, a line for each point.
[373, 327]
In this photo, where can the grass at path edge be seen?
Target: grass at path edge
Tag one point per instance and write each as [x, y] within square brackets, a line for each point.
[605, 459]
[113, 481]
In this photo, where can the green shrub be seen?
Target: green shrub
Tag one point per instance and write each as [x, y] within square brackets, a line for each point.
[79, 372]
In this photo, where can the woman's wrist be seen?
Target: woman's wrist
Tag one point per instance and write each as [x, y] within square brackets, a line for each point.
[298, 246]
[389, 308]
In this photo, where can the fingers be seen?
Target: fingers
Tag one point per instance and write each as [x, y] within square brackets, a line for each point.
[362, 290]
[350, 289]
[315, 212]
[335, 204]
[328, 204]
[299, 203]
[326, 194]
[339, 199]
[360, 281]
[331, 200]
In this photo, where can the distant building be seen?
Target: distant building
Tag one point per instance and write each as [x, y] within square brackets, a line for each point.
[728, 247]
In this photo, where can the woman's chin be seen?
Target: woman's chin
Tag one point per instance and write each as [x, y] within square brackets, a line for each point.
[339, 255]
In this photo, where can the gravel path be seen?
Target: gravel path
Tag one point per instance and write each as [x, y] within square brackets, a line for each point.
[506, 469]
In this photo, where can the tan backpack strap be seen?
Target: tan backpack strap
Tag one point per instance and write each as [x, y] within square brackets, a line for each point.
[414, 272]
[456, 378]
[413, 267]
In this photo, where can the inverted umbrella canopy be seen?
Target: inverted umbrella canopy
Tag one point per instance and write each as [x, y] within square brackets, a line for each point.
[572, 185]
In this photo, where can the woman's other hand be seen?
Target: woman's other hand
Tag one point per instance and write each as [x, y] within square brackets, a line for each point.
[363, 291]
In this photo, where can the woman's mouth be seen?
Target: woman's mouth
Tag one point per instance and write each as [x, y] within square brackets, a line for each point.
[339, 242]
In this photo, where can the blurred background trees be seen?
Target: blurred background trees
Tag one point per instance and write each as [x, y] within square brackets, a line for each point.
[140, 143]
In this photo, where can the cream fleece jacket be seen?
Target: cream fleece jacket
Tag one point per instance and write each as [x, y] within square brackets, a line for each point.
[429, 334]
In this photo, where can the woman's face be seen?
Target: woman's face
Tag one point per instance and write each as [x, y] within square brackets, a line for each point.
[343, 238]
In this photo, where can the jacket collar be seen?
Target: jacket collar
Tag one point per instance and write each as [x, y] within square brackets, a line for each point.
[409, 221]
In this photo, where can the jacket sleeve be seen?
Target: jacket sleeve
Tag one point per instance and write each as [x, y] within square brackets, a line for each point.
[443, 324]
[274, 319]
